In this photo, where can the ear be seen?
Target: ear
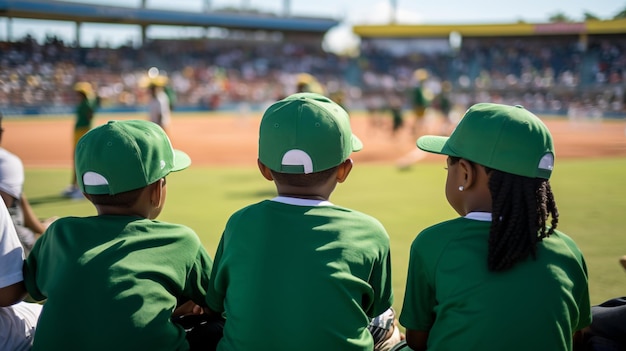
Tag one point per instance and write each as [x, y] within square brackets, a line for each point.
[467, 173]
[265, 171]
[344, 170]
[156, 193]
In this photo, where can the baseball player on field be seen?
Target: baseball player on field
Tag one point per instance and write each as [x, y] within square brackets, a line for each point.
[159, 110]
[88, 101]
[420, 101]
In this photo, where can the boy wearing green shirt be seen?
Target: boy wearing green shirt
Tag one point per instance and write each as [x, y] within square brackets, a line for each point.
[298, 272]
[112, 281]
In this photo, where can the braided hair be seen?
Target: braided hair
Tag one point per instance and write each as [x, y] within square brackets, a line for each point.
[520, 210]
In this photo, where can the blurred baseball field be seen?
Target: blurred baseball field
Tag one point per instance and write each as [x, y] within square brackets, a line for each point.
[588, 182]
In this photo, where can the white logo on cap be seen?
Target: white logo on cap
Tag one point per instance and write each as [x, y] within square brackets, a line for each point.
[547, 162]
[93, 178]
[298, 158]
[162, 164]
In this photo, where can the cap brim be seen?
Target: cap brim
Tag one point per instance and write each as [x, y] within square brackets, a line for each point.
[357, 145]
[432, 143]
[181, 161]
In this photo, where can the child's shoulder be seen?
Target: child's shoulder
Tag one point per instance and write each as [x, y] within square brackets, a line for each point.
[354, 220]
[451, 229]
[330, 210]
[105, 223]
[160, 228]
[561, 239]
[350, 212]
[251, 208]
[449, 224]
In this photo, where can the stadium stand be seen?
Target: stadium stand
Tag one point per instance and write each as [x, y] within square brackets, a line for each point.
[80, 13]
[546, 67]
[574, 65]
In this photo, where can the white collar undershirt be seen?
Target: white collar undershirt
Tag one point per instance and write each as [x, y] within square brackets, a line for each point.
[479, 216]
[301, 202]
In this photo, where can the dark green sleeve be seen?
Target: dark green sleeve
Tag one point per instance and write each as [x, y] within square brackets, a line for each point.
[30, 270]
[214, 295]
[199, 277]
[382, 284]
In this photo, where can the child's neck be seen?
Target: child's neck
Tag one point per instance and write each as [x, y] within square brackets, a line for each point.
[304, 196]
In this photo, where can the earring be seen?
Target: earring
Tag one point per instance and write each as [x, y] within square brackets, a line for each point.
[461, 188]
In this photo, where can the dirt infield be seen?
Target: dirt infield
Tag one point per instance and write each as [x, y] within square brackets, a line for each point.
[218, 140]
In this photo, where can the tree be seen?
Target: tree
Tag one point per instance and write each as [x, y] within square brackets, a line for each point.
[621, 14]
[590, 16]
[559, 17]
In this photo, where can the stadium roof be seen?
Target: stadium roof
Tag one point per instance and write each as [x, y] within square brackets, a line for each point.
[76, 12]
[485, 30]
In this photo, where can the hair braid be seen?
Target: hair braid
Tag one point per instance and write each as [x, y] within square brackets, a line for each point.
[520, 209]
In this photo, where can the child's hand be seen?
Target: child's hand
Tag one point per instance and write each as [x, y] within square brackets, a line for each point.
[188, 308]
[46, 223]
[622, 260]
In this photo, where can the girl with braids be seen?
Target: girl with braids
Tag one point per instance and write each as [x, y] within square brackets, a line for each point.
[501, 276]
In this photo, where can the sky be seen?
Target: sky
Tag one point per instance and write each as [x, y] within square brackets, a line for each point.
[349, 12]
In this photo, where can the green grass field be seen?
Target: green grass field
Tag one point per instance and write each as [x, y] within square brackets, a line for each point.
[589, 194]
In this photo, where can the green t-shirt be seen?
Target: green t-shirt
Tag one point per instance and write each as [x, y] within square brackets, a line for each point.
[292, 277]
[84, 113]
[445, 105]
[536, 305]
[418, 97]
[112, 282]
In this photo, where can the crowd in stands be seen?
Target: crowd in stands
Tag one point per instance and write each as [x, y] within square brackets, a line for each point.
[545, 74]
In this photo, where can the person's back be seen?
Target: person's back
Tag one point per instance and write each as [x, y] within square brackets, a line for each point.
[298, 272]
[118, 275]
[27, 225]
[11, 185]
[159, 106]
[18, 319]
[126, 270]
[497, 308]
[500, 277]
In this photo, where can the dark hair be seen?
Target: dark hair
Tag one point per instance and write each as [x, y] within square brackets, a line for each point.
[520, 209]
[304, 180]
[126, 199]
[302, 87]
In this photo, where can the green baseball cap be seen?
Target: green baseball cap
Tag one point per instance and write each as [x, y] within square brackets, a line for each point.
[305, 133]
[121, 156]
[507, 138]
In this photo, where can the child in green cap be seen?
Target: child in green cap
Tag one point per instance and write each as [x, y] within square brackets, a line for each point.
[298, 272]
[500, 277]
[112, 281]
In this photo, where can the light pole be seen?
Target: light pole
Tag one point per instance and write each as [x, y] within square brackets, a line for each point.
[393, 4]
[455, 39]
[286, 8]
